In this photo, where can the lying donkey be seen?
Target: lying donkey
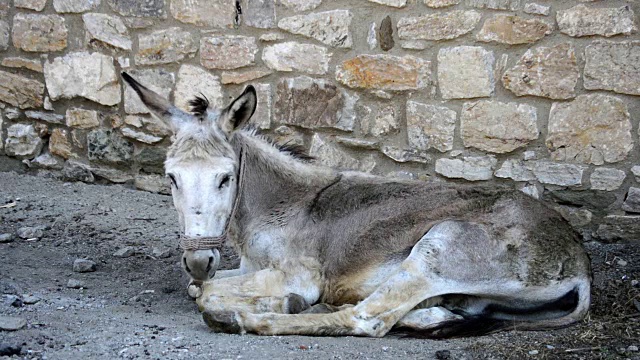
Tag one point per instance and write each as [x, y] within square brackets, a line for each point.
[371, 253]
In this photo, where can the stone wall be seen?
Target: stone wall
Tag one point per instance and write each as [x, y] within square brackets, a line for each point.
[539, 94]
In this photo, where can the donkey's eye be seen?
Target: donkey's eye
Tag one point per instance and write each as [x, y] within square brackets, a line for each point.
[225, 181]
[173, 180]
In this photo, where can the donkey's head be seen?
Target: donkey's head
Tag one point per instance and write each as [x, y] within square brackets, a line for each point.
[202, 166]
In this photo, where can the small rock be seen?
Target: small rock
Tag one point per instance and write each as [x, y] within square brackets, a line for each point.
[622, 263]
[533, 352]
[29, 299]
[12, 323]
[75, 284]
[634, 282]
[30, 232]
[6, 238]
[125, 252]
[632, 348]
[10, 350]
[84, 265]
[13, 300]
[161, 252]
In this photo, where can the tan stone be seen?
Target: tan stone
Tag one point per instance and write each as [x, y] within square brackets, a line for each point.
[108, 29]
[227, 51]
[430, 126]
[328, 27]
[40, 33]
[592, 129]
[20, 91]
[381, 122]
[293, 56]
[440, 3]
[613, 66]
[300, 5]
[550, 72]
[494, 4]
[214, 13]
[472, 168]
[440, 26]
[89, 75]
[385, 72]
[393, 3]
[81, 118]
[465, 72]
[237, 77]
[59, 144]
[513, 30]
[165, 46]
[193, 81]
[37, 5]
[581, 20]
[18, 62]
[498, 127]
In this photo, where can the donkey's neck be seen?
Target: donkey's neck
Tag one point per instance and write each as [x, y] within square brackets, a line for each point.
[273, 178]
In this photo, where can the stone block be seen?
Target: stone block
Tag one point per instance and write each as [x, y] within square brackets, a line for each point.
[430, 126]
[607, 179]
[498, 127]
[108, 29]
[39, 33]
[20, 91]
[592, 129]
[328, 27]
[582, 20]
[385, 72]
[612, 66]
[227, 51]
[472, 168]
[22, 141]
[513, 30]
[165, 46]
[210, 13]
[293, 56]
[440, 26]
[465, 72]
[92, 76]
[158, 80]
[550, 72]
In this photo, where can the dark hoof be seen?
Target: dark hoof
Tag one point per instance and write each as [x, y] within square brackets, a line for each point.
[320, 309]
[295, 304]
[222, 321]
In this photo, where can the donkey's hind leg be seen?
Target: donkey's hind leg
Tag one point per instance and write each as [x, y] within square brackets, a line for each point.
[426, 319]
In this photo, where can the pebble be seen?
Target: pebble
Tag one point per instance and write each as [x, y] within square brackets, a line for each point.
[634, 282]
[125, 252]
[75, 284]
[84, 265]
[30, 299]
[6, 238]
[622, 263]
[632, 348]
[13, 300]
[12, 323]
[161, 252]
[533, 352]
[30, 232]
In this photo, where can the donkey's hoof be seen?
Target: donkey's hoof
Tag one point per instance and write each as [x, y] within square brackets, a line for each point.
[222, 321]
[295, 304]
[194, 291]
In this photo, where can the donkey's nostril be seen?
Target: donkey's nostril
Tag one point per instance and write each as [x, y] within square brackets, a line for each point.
[198, 212]
[209, 265]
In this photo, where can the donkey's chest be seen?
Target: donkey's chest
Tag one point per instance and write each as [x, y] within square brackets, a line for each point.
[263, 249]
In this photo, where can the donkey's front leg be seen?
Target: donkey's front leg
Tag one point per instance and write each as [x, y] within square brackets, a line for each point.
[268, 290]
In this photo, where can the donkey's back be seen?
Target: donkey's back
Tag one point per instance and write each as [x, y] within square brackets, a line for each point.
[493, 253]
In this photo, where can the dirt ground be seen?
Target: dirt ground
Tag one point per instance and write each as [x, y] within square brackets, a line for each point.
[137, 307]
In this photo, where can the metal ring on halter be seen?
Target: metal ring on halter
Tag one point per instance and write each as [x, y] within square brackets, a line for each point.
[216, 242]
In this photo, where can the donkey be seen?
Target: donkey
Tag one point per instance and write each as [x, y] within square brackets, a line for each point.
[328, 252]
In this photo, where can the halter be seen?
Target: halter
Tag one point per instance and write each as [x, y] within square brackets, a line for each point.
[216, 242]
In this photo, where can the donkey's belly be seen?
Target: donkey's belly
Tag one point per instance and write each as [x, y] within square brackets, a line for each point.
[355, 287]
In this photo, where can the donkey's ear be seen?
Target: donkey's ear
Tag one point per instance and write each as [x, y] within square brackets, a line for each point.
[158, 105]
[238, 113]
